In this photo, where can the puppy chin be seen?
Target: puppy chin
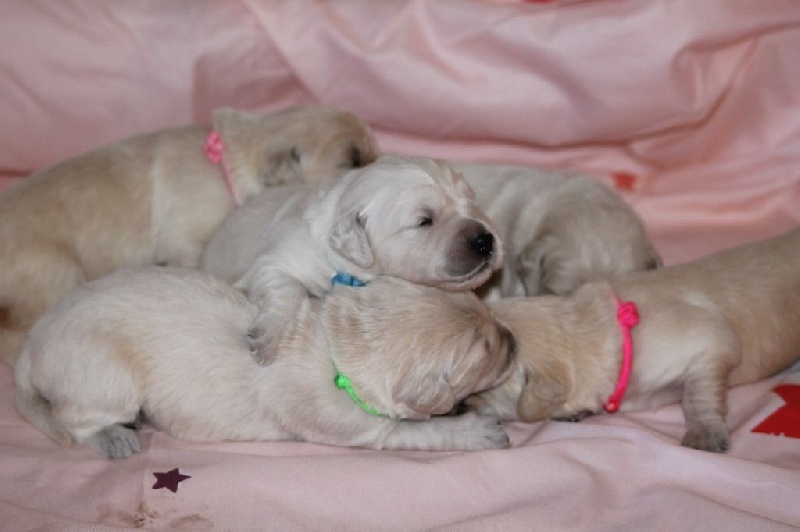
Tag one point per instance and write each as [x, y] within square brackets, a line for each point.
[470, 281]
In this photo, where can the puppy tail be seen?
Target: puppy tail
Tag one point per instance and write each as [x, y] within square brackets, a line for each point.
[34, 407]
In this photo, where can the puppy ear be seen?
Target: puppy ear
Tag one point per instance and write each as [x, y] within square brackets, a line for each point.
[428, 396]
[281, 168]
[348, 238]
[544, 392]
[530, 265]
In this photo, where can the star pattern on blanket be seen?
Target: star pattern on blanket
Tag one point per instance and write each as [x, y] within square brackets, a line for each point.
[169, 480]
[625, 181]
[785, 420]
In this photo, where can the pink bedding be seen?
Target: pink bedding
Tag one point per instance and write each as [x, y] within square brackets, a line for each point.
[691, 108]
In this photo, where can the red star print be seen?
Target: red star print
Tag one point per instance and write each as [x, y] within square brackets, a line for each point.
[625, 181]
[785, 420]
[169, 480]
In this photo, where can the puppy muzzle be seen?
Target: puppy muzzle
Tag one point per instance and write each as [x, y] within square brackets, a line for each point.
[483, 245]
[473, 250]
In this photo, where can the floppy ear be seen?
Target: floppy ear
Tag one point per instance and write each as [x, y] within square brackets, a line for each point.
[530, 265]
[546, 265]
[348, 238]
[429, 397]
[545, 391]
[243, 133]
[281, 168]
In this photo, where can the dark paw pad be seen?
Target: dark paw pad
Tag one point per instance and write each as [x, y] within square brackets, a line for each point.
[704, 438]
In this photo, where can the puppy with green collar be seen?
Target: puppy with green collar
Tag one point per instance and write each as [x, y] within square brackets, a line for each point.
[368, 366]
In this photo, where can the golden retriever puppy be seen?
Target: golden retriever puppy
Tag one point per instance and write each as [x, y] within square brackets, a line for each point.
[729, 319]
[561, 229]
[154, 199]
[170, 345]
[408, 217]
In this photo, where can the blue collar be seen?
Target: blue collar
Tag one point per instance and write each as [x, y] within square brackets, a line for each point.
[346, 279]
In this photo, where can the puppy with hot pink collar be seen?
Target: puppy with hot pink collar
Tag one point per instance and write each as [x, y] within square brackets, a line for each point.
[683, 333]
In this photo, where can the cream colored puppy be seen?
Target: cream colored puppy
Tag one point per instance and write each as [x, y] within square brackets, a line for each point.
[171, 345]
[154, 199]
[729, 319]
[561, 229]
[408, 217]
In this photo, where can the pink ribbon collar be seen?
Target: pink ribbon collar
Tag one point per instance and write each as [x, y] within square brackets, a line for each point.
[627, 318]
[214, 148]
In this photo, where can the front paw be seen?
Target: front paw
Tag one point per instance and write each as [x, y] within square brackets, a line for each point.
[115, 441]
[483, 433]
[263, 345]
[713, 438]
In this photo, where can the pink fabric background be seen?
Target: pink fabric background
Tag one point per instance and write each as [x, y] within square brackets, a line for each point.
[693, 106]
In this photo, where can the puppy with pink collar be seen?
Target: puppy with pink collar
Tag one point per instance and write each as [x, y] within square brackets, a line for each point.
[683, 333]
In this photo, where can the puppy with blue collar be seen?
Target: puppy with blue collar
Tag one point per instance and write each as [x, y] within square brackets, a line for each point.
[408, 217]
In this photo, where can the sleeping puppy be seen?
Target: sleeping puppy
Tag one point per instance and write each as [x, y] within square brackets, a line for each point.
[362, 367]
[154, 199]
[408, 217]
[561, 229]
[729, 319]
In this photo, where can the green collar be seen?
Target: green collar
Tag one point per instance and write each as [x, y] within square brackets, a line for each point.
[343, 383]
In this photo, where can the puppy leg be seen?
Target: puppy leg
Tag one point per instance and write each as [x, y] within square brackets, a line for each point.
[36, 408]
[114, 441]
[279, 297]
[704, 404]
[469, 432]
[704, 408]
[104, 419]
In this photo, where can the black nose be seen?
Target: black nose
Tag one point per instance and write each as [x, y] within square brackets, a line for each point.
[483, 244]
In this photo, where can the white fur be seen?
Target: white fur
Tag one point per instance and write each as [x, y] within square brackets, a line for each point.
[561, 229]
[290, 242]
[172, 345]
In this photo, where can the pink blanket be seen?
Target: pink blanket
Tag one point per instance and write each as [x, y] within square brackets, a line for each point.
[692, 109]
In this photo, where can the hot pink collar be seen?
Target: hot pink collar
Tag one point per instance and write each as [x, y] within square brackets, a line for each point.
[214, 149]
[627, 317]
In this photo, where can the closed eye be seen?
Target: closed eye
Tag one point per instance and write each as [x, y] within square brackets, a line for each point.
[425, 221]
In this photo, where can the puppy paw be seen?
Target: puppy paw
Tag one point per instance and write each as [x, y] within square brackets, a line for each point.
[262, 345]
[483, 432]
[712, 438]
[115, 441]
[574, 418]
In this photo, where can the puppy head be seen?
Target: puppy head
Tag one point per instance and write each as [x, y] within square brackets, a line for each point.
[310, 144]
[542, 378]
[579, 243]
[567, 362]
[409, 217]
[413, 351]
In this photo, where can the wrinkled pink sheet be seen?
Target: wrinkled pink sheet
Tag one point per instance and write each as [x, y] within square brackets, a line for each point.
[691, 107]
